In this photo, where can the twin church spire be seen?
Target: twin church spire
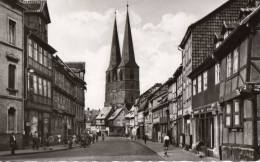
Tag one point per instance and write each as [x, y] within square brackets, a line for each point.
[128, 56]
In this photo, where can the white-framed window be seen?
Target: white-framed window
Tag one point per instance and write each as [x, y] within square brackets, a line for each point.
[229, 65]
[217, 73]
[235, 62]
[12, 31]
[237, 114]
[205, 80]
[199, 84]
[194, 89]
[228, 115]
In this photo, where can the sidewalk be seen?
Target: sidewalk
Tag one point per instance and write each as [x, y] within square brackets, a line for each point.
[40, 150]
[174, 153]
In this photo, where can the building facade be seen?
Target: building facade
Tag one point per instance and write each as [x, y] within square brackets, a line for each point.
[197, 45]
[38, 71]
[11, 75]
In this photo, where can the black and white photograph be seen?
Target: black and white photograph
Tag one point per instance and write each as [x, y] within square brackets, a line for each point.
[129, 80]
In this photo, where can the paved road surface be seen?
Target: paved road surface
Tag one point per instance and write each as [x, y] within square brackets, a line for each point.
[118, 149]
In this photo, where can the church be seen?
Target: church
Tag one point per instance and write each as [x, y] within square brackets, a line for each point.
[122, 83]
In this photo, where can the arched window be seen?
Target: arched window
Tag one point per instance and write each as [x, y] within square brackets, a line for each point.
[120, 75]
[132, 74]
[11, 119]
[114, 76]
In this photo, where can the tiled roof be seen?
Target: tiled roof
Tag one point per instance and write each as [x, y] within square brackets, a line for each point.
[115, 114]
[203, 30]
[104, 113]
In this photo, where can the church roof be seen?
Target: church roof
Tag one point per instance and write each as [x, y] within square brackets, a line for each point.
[115, 55]
[128, 55]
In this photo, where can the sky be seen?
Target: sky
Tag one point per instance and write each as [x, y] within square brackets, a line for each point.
[81, 30]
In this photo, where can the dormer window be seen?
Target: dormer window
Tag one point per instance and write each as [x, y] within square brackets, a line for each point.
[227, 34]
[218, 44]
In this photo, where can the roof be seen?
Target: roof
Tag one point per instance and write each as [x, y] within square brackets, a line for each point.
[38, 6]
[128, 55]
[115, 55]
[237, 35]
[45, 45]
[188, 32]
[115, 114]
[104, 113]
[77, 65]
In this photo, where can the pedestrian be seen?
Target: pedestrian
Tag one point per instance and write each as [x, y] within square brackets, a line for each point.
[96, 137]
[145, 138]
[103, 137]
[12, 141]
[35, 135]
[166, 144]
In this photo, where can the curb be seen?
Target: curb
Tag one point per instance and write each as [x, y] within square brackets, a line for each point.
[45, 151]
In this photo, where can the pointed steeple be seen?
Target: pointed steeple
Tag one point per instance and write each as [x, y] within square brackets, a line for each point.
[128, 55]
[115, 55]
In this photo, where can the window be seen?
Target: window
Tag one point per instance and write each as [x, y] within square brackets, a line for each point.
[235, 64]
[45, 88]
[199, 83]
[30, 48]
[35, 88]
[11, 76]
[217, 72]
[227, 34]
[45, 63]
[228, 115]
[12, 32]
[35, 52]
[40, 86]
[229, 65]
[40, 55]
[237, 120]
[11, 119]
[205, 80]
[49, 89]
[108, 77]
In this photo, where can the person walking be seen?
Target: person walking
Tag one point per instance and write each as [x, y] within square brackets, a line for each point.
[145, 138]
[166, 140]
[12, 143]
[103, 137]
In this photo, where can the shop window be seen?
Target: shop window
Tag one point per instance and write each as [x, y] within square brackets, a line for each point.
[11, 119]
[228, 115]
